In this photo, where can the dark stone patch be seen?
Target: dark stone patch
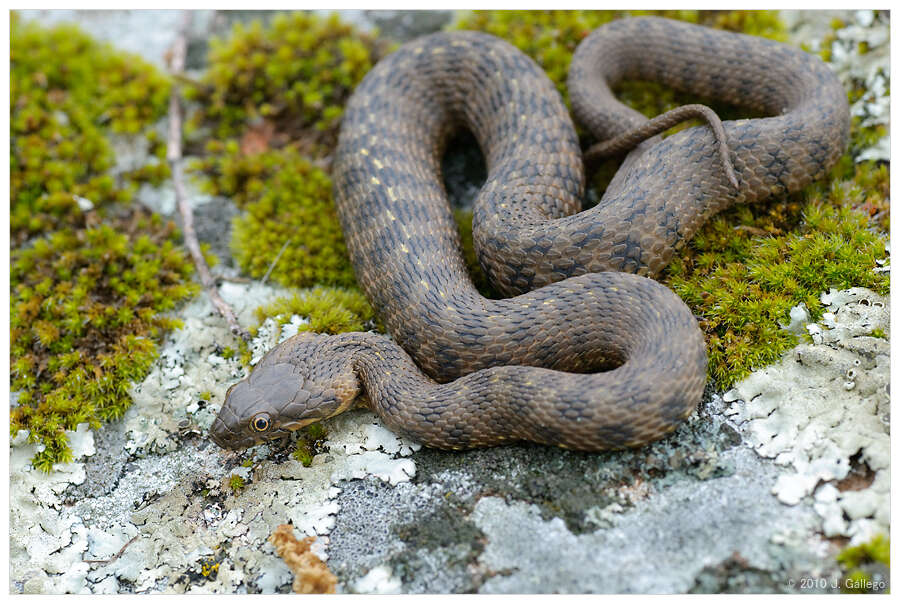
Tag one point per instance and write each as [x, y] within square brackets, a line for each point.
[736, 575]
[105, 467]
[212, 222]
[423, 536]
[406, 25]
[464, 169]
[444, 537]
[566, 484]
[421, 529]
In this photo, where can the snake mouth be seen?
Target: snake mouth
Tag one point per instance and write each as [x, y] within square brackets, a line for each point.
[226, 438]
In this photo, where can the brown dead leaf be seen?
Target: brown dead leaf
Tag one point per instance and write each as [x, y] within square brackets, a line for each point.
[311, 575]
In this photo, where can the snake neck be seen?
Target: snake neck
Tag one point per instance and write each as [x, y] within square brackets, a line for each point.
[384, 370]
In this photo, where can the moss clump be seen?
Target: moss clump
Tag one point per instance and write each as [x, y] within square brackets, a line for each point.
[303, 453]
[273, 97]
[236, 483]
[310, 443]
[294, 226]
[85, 312]
[315, 432]
[67, 92]
[297, 73]
[88, 290]
[876, 550]
[744, 281]
[858, 562]
[241, 177]
[329, 310]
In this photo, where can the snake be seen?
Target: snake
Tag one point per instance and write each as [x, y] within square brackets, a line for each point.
[585, 351]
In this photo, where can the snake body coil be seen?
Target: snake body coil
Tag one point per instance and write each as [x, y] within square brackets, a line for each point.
[526, 367]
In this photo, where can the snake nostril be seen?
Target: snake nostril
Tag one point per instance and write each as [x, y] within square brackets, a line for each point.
[218, 433]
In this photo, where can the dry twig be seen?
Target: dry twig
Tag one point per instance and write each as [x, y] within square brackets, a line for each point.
[176, 67]
[116, 556]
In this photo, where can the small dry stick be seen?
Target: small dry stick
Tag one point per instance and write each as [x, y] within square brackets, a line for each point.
[176, 66]
[116, 556]
[274, 262]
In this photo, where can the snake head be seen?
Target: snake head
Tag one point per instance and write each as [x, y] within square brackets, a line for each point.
[293, 386]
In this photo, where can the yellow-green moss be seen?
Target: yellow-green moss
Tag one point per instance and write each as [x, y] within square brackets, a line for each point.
[303, 453]
[296, 73]
[310, 443]
[742, 278]
[67, 94]
[236, 483]
[329, 310]
[294, 222]
[88, 289]
[855, 560]
[273, 97]
[85, 317]
[316, 432]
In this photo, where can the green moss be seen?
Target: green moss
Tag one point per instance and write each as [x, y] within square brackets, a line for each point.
[876, 550]
[85, 313]
[88, 290]
[293, 226]
[295, 73]
[857, 559]
[743, 282]
[246, 353]
[310, 443]
[236, 483]
[273, 98]
[303, 453]
[67, 94]
[329, 310]
[315, 432]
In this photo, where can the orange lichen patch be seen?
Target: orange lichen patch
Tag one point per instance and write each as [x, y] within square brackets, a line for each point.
[311, 575]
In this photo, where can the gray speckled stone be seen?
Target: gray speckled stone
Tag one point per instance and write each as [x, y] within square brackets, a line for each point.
[658, 546]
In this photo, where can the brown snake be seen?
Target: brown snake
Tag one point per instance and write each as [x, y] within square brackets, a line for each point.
[590, 353]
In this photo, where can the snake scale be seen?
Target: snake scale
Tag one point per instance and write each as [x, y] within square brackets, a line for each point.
[587, 351]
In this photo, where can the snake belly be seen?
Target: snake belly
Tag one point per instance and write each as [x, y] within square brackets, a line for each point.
[589, 352]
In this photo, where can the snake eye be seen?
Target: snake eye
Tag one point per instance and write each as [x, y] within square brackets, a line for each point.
[260, 422]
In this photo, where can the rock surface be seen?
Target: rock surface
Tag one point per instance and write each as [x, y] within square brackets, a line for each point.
[751, 494]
